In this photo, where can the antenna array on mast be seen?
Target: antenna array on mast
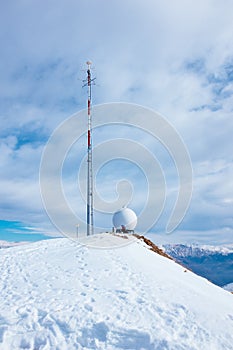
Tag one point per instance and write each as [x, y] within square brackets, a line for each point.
[90, 215]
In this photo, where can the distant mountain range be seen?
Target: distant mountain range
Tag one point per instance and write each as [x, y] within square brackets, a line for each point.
[213, 263]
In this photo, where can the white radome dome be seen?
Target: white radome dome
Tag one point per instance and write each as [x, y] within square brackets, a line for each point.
[125, 217]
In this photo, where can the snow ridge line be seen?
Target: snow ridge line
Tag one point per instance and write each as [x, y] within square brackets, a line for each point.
[153, 246]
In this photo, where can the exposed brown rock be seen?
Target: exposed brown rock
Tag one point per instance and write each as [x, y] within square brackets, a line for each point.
[153, 246]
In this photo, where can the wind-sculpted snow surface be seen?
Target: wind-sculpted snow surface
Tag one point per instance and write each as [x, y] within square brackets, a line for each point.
[60, 295]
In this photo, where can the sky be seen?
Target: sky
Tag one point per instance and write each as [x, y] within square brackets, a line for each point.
[172, 57]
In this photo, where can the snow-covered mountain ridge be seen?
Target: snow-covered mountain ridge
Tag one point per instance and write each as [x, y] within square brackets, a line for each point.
[57, 294]
[213, 263]
[195, 249]
[229, 287]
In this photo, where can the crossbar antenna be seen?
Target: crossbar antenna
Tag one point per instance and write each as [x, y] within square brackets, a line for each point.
[90, 214]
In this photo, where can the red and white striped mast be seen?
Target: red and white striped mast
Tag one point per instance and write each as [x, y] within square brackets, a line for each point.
[90, 223]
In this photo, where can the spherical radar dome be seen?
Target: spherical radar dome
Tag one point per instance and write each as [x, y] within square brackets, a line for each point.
[125, 217]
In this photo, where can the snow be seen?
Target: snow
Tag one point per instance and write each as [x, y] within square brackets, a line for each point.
[213, 263]
[58, 294]
[6, 244]
[196, 249]
[229, 287]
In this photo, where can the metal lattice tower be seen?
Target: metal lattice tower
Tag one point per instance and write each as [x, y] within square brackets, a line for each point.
[90, 215]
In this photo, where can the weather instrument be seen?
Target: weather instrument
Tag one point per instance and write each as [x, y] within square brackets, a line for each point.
[90, 213]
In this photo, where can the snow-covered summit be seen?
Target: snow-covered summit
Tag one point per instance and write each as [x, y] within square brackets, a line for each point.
[57, 294]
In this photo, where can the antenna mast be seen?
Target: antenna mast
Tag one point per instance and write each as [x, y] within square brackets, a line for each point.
[90, 226]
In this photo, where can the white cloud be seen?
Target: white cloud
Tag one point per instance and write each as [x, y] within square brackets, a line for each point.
[175, 57]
